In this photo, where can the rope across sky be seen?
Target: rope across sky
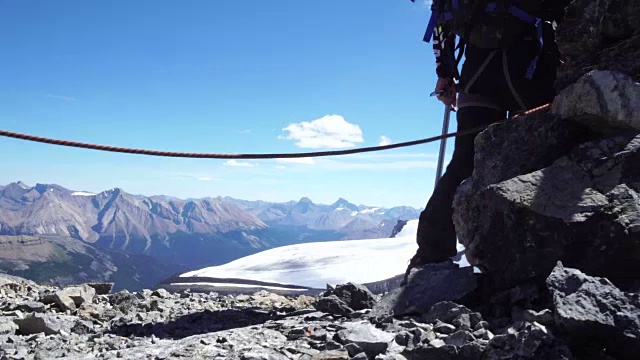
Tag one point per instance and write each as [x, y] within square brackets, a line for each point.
[109, 148]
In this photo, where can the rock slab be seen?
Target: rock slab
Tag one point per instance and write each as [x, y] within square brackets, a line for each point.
[603, 100]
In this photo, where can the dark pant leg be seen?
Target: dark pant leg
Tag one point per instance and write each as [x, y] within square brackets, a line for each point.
[436, 234]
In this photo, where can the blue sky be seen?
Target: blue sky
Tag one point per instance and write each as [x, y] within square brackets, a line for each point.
[221, 76]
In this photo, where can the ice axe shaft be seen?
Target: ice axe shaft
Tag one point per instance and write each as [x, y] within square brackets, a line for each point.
[443, 142]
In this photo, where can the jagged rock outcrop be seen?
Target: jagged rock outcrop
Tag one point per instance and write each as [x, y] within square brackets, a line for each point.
[566, 192]
[604, 35]
[398, 227]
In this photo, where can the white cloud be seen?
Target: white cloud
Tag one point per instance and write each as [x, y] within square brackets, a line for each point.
[206, 178]
[281, 167]
[330, 131]
[245, 131]
[306, 161]
[236, 163]
[61, 97]
[384, 141]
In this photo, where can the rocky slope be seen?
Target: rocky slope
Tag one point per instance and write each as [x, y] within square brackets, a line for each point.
[586, 318]
[62, 261]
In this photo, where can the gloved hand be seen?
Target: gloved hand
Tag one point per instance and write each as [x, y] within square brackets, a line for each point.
[446, 92]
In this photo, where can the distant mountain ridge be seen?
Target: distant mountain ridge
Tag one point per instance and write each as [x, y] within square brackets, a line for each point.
[54, 210]
[49, 209]
[180, 233]
[340, 216]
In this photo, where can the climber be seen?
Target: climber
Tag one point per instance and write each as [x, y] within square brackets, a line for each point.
[510, 66]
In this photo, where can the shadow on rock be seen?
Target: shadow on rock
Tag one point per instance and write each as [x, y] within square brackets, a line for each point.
[426, 286]
[194, 324]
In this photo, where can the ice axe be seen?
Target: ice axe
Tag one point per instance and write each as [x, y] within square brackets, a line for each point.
[443, 141]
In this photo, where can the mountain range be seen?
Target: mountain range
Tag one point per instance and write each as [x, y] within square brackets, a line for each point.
[170, 233]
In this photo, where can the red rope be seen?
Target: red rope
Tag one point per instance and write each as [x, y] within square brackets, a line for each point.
[535, 110]
[109, 148]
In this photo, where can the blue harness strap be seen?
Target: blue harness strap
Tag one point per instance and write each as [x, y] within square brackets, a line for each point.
[530, 19]
[433, 21]
[537, 22]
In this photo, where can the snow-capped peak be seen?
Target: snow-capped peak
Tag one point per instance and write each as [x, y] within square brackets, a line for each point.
[372, 210]
[23, 185]
[82, 193]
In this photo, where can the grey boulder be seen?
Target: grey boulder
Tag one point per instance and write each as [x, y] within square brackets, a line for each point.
[426, 286]
[356, 296]
[47, 324]
[595, 309]
[370, 339]
[602, 100]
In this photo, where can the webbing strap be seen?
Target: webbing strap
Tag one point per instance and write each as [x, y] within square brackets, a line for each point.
[537, 22]
[523, 15]
[530, 19]
[534, 63]
[433, 21]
